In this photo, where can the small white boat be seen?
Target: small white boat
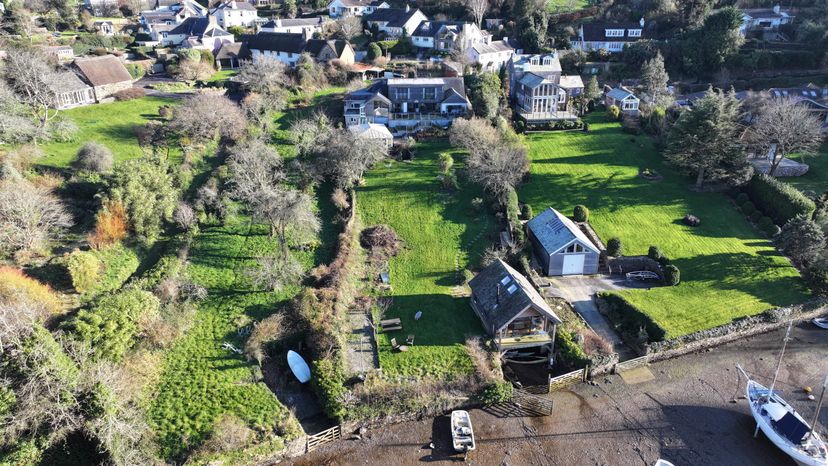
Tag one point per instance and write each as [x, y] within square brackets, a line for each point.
[662, 462]
[298, 366]
[462, 434]
[784, 427]
[821, 322]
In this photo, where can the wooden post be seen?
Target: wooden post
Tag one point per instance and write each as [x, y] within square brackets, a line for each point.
[586, 373]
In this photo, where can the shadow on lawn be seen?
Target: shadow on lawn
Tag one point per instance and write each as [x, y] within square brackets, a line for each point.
[445, 320]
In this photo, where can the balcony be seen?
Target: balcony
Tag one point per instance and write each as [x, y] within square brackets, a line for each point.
[529, 340]
[541, 117]
[426, 116]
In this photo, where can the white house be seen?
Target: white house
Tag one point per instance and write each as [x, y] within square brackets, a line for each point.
[607, 36]
[393, 21]
[622, 98]
[340, 8]
[767, 19]
[294, 26]
[198, 33]
[232, 13]
[446, 36]
[492, 55]
[539, 91]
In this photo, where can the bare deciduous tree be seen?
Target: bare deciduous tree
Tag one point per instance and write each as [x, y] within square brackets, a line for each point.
[269, 329]
[310, 134]
[499, 169]
[287, 209]
[347, 156]
[475, 135]
[264, 76]
[30, 216]
[94, 157]
[204, 116]
[191, 70]
[16, 123]
[34, 81]
[477, 8]
[184, 216]
[349, 27]
[261, 109]
[275, 273]
[254, 168]
[785, 127]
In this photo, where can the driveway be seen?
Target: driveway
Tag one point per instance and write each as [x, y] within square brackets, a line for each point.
[690, 410]
[580, 292]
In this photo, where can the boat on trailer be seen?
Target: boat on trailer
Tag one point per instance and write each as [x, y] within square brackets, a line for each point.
[462, 434]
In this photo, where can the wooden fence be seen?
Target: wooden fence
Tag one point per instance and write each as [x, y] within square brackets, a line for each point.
[329, 435]
[532, 403]
[630, 364]
[573, 377]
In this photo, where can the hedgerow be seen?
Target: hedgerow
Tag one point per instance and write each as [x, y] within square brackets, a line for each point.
[629, 319]
[779, 201]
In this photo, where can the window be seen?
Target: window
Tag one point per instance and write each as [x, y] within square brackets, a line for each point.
[429, 93]
[547, 61]
[534, 60]
[634, 32]
[505, 280]
[511, 289]
[574, 248]
[614, 32]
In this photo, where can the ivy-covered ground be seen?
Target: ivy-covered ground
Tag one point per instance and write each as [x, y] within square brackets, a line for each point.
[728, 269]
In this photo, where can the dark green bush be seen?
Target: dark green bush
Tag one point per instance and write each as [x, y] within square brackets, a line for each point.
[765, 223]
[742, 198]
[526, 211]
[571, 353]
[655, 253]
[614, 247]
[580, 213]
[629, 319]
[494, 393]
[328, 383]
[756, 216]
[512, 207]
[748, 208]
[778, 200]
[773, 230]
[672, 275]
[663, 261]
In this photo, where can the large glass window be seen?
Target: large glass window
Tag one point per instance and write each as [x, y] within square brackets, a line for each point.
[429, 93]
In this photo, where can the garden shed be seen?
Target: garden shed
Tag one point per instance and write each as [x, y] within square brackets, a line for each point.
[560, 246]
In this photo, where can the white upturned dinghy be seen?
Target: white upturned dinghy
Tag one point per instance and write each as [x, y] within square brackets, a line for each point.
[298, 366]
[821, 322]
[462, 434]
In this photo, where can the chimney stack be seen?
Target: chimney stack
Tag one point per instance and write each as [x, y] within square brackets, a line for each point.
[641, 21]
[407, 7]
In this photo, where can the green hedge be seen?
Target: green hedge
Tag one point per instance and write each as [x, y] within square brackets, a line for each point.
[629, 319]
[570, 351]
[494, 393]
[328, 382]
[779, 201]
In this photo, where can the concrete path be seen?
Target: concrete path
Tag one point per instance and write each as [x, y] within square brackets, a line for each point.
[580, 292]
[362, 352]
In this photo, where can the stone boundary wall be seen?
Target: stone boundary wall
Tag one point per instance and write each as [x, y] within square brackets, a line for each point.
[624, 264]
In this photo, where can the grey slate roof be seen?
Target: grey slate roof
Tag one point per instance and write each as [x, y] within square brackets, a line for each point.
[596, 32]
[431, 28]
[765, 13]
[293, 22]
[494, 47]
[395, 17]
[554, 230]
[314, 46]
[276, 42]
[619, 94]
[198, 27]
[502, 293]
[235, 5]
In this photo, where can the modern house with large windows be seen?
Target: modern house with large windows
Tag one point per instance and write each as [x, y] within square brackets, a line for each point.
[539, 92]
[611, 37]
[340, 8]
[624, 99]
[407, 105]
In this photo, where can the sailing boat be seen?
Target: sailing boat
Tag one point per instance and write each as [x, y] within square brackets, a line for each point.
[782, 424]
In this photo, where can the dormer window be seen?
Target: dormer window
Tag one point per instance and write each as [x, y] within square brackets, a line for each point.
[614, 32]
[634, 32]
[534, 61]
[547, 61]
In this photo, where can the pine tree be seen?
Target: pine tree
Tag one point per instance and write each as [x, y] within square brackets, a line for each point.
[592, 91]
[705, 140]
[654, 78]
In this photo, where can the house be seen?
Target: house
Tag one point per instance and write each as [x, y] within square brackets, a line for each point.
[447, 36]
[234, 13]
[539, 92]
[624, 99]
[104, 28]
[373, 131]
[611, 37]
[295, 26]
[406, 105]
[560, 246]
[62, 53]
[340, 8]
[511, 310]
[172, 14]
[393, 21]
[764, 19]
[229, 56]
[812, 97]
[202, 33]
[73, 92]
[492, 55]
[289, 47]
[106, 74]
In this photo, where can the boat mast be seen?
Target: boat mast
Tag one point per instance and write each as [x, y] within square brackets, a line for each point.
[779, 364]
[819, 406]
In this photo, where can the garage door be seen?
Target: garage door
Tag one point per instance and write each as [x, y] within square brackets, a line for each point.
[573, 264]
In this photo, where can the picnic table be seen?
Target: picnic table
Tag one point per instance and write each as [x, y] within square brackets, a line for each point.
[390, 325]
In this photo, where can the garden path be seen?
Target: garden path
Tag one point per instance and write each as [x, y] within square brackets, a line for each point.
[362, 349]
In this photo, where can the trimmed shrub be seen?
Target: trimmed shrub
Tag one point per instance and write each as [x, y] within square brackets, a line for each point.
[614, 247]
[328, 382]
[663, 261]
[672, 275]
[756, 216]
[778, 200]
[742, 198]
[614, 112]
[129, 94]
[748, 208]
[94, 157]
[580, 213]
[691, 220]
[629, 319]
[655, 253]
[494, 393]
[84, 269]
[512, 207]
[572, 354]
[526, 212]
[110, 225]
[773, 230]
[802, 239]
[765, 223]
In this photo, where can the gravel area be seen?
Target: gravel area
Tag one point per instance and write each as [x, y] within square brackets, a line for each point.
[688, 410]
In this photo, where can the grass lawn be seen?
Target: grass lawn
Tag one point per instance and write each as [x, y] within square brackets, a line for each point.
[728, 270]
[816, 180]
[222, 75]
[564, 6]
[436, 229]
[110, 124]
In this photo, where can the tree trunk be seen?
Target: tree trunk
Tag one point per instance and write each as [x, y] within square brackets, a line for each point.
[700, 178]
[777, 159]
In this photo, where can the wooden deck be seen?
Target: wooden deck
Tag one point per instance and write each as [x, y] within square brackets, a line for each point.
[524, 341]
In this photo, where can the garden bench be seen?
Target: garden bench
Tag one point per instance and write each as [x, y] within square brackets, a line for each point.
[390, 325]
